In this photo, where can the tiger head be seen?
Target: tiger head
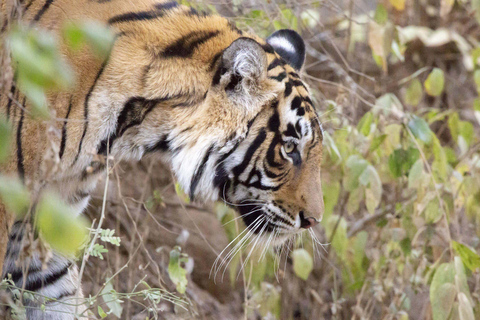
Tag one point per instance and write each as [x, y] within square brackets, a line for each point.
[251, 137]
[269, 171]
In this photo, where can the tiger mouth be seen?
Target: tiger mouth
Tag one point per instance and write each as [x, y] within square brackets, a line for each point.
[267, 218]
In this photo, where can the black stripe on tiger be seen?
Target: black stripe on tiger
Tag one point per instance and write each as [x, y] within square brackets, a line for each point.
[160, 10]
[291, 132]
[20, 165]
[10, 99]
[133, 113]
[296, 103]
[85, 109]
[186, 45]
[64, 131]
[42, 11]
[279, 77]
[274, 121]
[221, 175]
[199, 172]
[270, 156]
[18, 274]
[288, 89]
[47, 280]
[25, 9]
[163, 144]
[214, 61]
[238, 170]
[298, 83]
[270, 174]
[78, 196]
[275, 63]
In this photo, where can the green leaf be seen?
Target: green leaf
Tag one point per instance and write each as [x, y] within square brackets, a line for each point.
[460, 128]
[5, 139]
[381, 14]
[476, 78]
[476, 107]
[59, 226]
[406, 245]
[377, 142]
[373, 194]
[177, 273]
[387, 104]
[469, 257]
[110, 296]
[476, 54]
[398, 4]
[365, 124]
[107, 235]
[101, 313]
[442, 291]
[414, 93]
[39, 66]
[15, 195]
[442, 301]
[38, 59]
[97, 35]
[461, 277]
[181, 194]
[302, 263]
[98, 250]
[432, 211]
[331, 192]
[415, 174]
[467, 131]
[420, 129]
[401, 160]
[465, 309]
[356, 165]
[454, 124]
[440, 164]
[36, 95]
[435, 82]
[331, 147]
[340, 239]
[355, 197]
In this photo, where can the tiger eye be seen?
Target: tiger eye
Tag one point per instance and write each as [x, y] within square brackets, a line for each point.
[289, 147]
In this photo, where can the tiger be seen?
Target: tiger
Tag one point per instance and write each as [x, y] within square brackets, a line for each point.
[225, 109]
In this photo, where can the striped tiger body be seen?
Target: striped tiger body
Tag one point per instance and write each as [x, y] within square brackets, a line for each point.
[227, 110]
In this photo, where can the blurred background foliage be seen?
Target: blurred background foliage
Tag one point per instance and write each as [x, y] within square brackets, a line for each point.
[397, 85]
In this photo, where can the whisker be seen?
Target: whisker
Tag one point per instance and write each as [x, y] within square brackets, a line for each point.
[231, 242]
[258, 236]
[241, 216]
[238, 246]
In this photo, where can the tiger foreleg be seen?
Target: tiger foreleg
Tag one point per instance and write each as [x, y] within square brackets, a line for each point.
[49, 284]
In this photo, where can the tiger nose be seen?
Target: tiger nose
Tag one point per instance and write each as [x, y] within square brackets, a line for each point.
[307, 222]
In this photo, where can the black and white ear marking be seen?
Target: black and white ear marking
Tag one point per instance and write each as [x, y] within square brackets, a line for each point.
[246, 60]
[290, 46]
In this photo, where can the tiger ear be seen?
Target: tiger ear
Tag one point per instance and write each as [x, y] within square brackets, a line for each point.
[289, 45]
[246, 62]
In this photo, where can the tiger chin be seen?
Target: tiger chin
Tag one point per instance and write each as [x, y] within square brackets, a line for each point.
[225, 109]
